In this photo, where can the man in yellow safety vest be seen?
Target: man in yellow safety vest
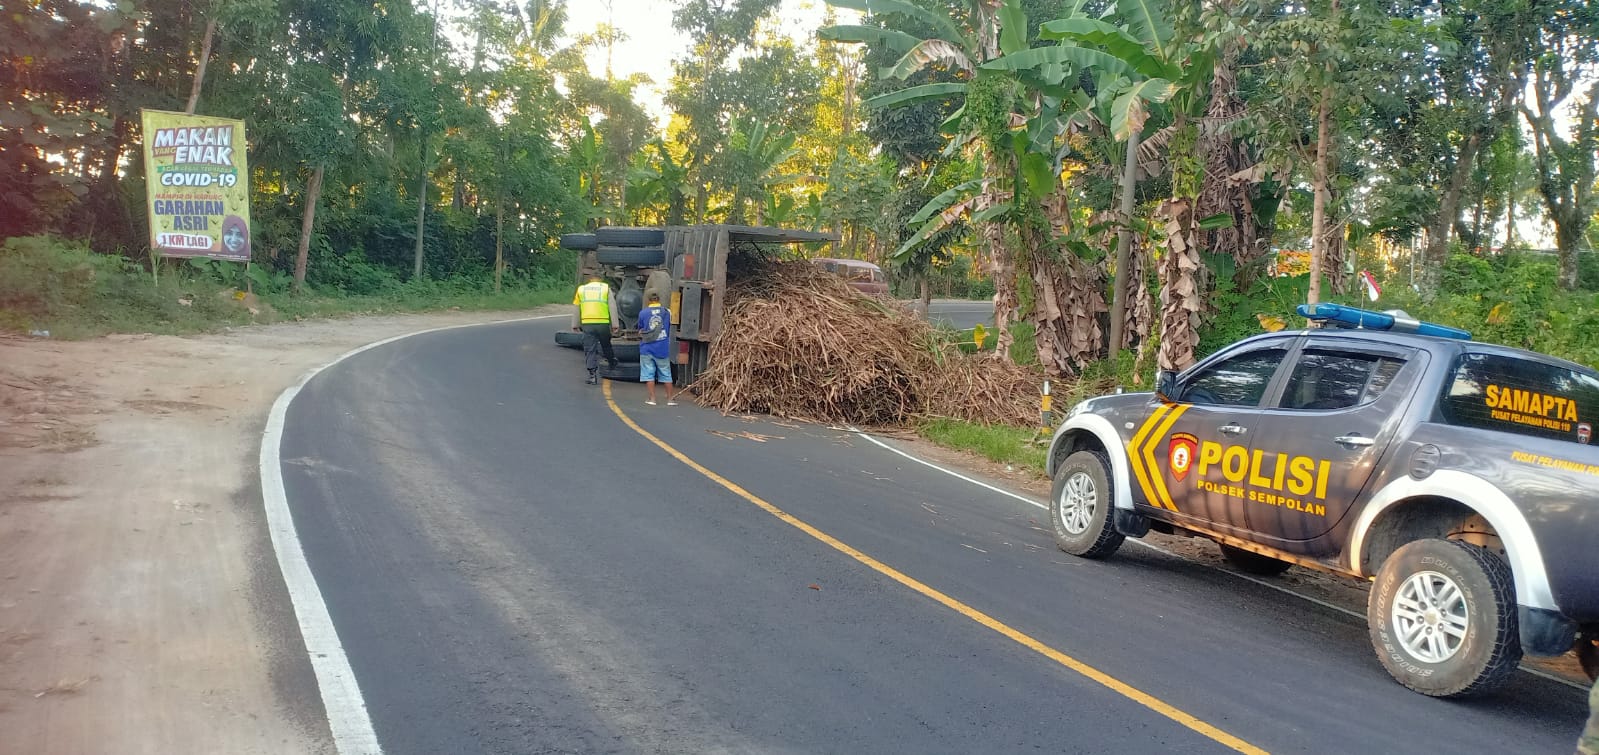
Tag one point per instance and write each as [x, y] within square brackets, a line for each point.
[593, 301]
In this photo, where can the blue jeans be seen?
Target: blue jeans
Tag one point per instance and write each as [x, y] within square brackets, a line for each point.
[658, 369]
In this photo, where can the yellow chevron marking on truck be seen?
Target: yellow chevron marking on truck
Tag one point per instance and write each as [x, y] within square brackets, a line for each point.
[1156, 473]
[1134, 458]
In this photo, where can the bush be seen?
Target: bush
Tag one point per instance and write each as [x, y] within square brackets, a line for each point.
[62, 286]
[1513, 300]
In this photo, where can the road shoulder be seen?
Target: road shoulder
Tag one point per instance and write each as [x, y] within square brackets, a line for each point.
[141, 607]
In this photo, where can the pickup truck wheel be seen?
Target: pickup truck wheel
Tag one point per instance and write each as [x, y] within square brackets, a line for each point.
[1442, 618]
[1080, 506]
[568, 339]
[1250, 562]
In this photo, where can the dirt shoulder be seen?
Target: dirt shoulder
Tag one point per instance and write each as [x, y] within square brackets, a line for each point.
[141, 608]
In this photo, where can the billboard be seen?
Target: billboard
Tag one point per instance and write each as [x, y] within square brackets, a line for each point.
[198, 181]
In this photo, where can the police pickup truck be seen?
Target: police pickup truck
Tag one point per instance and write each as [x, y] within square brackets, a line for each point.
[1456, 475]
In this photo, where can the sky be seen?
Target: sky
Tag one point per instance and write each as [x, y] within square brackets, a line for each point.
[651, 43]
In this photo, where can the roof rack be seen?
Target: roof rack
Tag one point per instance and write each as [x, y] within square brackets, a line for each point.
[1340, 316]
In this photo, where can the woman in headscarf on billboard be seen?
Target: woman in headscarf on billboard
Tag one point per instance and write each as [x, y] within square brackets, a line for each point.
[235, 238]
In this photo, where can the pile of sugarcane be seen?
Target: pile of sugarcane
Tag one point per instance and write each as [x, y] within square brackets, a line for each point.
[798, 342]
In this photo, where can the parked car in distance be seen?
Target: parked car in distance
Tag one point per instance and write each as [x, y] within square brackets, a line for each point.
[862, 276]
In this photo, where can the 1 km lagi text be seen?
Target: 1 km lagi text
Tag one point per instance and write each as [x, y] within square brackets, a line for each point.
[1298, 483]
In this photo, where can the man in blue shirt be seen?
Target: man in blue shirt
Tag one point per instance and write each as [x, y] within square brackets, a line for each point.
[655, 348]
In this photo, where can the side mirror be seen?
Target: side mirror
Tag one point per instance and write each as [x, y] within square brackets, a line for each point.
[1166, 385]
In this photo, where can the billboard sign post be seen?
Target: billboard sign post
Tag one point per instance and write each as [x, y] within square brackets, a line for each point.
[197, 179]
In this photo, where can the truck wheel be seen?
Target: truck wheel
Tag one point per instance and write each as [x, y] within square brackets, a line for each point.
[619, 236]
[642, 256]
[568, 339]
[1250, 562]
[625, 352]
[624, 373]
[1080, 505]
[579, 242]
[1442, 618]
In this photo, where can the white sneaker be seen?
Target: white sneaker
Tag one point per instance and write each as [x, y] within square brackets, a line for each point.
[671, 403]
[651, 403]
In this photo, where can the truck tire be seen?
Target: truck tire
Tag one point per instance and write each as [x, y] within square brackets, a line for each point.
[619, 236]
[568, 339]
[580, 242]
[1250, 562]
[635, 256]
[625, 352]
[1080, 506]
[622, 373]
[1442, 618]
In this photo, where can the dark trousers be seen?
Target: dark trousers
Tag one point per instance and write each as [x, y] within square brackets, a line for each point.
[597, 340]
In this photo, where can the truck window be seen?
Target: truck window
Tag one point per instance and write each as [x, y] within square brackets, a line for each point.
[1237, 381]
[1326, 381]
[1521, 396]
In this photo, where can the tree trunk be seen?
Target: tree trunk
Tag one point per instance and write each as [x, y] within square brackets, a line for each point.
[1121, 280]
[421, 208]
[499, 239]
[927, 295]
[199, 69]
[1437, 252]
[1318, 211]
[1510, 220]
[1476, 225]
[1180, 302]
[313, 190]
[1568, 238]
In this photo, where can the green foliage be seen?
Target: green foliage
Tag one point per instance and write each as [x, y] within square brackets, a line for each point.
[1511, 299]
[61, 286]
[997, 443]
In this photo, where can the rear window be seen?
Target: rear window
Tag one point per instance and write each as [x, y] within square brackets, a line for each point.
[1521, 396]
[1325, 380]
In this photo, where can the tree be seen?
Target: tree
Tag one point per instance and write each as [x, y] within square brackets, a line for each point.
[754, 154]
[1566, 59]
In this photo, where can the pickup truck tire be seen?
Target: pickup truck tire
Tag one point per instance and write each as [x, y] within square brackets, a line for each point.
[1080, 503]
[1250, 562]
[580, 242]
[568, 339]
[630, 236]
[1442, 618]
[640, 256]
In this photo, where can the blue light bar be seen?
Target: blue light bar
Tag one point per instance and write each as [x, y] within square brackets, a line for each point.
[1350, 317]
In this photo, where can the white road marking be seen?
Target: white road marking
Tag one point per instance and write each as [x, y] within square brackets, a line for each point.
[348, 720]
[1158, 549]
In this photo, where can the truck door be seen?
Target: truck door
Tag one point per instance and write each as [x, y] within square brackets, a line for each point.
[1321, 439]
[1197, 450]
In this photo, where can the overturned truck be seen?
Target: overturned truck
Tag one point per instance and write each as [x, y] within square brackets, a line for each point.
[688, 267]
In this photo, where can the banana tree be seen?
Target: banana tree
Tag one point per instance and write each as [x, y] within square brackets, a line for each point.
[980, 126]
[1136, 64]
[758, 151]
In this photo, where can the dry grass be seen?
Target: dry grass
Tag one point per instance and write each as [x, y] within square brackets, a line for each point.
[798, 342]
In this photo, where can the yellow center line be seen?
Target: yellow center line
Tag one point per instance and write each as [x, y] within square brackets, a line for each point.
[1122, 688]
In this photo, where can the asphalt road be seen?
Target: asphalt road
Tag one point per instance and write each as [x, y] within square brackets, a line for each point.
[512, 568]
[961, 314]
